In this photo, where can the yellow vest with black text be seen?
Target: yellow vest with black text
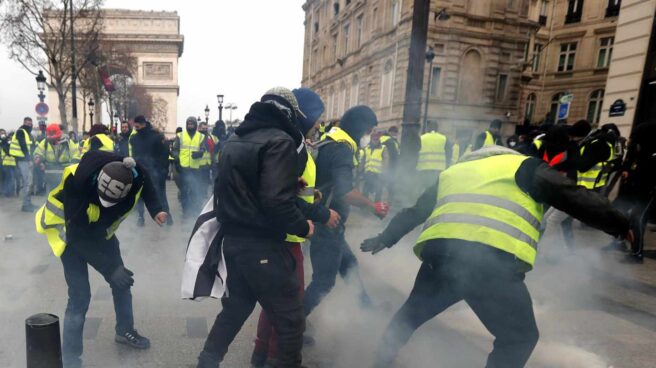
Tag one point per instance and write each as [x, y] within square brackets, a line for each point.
[107, 144]
[432, 155]
[187, 146]
[479, 201]
[373, 160]
[50, 219]
[307, 193]
[15, 148]
[595, 177]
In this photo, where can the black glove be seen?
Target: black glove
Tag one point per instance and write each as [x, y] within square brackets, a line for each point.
[196, 155]
[373, 245]
[122, 278]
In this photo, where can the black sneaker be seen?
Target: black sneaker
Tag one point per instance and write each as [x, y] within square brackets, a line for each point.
[141, 222]
[133, 339]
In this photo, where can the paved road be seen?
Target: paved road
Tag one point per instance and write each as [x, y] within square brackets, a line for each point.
[593, 311]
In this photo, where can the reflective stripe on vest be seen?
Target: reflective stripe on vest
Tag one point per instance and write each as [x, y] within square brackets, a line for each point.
[50, 218]
[595, 177]
[107, 144]
[373, 160]
[479, 201]
[187, 146]
[432, 155]
[15, 148]
[307, 194]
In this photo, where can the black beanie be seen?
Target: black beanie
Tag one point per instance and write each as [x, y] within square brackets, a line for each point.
[580, 129]
[357, 120]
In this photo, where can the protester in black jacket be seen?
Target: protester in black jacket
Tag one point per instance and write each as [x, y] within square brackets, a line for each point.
[96, 198]
[123, 142]
[255, 199]
[149, 149]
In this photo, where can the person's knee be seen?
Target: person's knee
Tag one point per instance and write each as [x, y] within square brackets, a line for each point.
[79, 300]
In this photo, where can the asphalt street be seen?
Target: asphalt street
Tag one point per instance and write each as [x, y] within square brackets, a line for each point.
[593, 310]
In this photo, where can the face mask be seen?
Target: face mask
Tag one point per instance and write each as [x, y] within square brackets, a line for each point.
[105, 203]
[364, 141]
[3, 136]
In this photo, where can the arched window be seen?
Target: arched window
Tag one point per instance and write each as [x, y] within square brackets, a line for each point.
[594, 106]
[472, 77]
[355, 91]
[529, 109]
[555, 105]
[386, 84]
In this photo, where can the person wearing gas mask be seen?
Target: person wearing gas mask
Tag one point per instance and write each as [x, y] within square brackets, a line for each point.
[88, 206]
[329, 252]
[188, 150]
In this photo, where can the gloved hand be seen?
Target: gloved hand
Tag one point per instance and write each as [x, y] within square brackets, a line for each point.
[381, 209]
[373, 245]
[122, 277]
[196, 155]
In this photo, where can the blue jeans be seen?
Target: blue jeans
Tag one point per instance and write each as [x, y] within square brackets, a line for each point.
[330, 254]
[9, 181]
[25, 171]
[76, 273]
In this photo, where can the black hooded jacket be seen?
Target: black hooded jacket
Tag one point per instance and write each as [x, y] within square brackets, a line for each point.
[80, 191]
[149, 149]
[256, 189]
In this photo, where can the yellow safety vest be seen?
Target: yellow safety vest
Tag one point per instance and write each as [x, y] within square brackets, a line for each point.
[479, 201]
[107, 143]
[456, 152]
[206, 160]
[14, 147]
[7, 160]
[373, 160]
[132, 134]
[187, 146]
[386, 138]
[340, 136]
[489, 139]
[50, 219]
[307, 194]
[48, 152]
[595, 178]
[432, 155]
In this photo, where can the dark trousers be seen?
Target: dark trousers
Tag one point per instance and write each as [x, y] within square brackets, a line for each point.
[495, 292]
[263, 271]
[373, 184]
[330, 254]
[76, 273]
[9, 181]
[191, 191]
[159, 182]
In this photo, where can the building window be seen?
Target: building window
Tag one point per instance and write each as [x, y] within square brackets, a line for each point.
[574, 11]
[335, 43]
[594, 106]
[342, 101]
[345, 49]
[613, 8]
[544, 10]
[567, 56]
[374, 19]
[355, 91]
[395, 13]
[555, 105]
[436, 76]
[529, 110]
[439, 49]
[316, 27]
[348, 2]
[360, 29]
[336, 9]
[511, 4]
[386, 84]
[605, 52]
[537, 53]
[502, 84]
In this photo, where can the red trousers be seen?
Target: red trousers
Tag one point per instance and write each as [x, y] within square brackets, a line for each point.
[266, 341]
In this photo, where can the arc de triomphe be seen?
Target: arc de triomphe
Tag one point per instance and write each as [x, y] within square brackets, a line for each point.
[154, 40]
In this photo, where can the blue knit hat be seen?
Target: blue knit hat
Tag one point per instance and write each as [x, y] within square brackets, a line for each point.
[311, 105]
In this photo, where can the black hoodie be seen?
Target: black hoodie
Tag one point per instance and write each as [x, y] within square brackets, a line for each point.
[256, 189]
[80, 191]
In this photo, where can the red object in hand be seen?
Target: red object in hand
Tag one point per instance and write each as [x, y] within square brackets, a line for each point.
[381, 209]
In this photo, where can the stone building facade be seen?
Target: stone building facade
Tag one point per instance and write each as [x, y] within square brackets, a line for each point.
[356, 52]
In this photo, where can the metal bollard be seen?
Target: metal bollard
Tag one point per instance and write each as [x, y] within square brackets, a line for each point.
[42, 341]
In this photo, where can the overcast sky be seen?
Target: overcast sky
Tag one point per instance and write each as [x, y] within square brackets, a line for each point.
[235, 47]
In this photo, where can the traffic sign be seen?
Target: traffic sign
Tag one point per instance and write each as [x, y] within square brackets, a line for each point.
[42, 109]
[563, 110]
[566, 98]
[618, 108]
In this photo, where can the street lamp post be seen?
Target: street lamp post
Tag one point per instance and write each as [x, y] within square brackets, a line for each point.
[41, 86]
[220, 99]
[91, 105]
[115, 123]
[430, 55]
[207, 114]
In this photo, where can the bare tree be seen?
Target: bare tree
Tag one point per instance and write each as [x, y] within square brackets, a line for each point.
[37, 33]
